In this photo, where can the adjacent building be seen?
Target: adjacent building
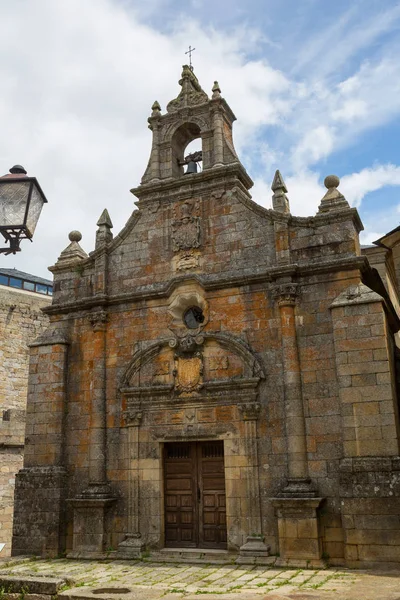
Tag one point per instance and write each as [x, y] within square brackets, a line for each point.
[218, 375]
[22, 296]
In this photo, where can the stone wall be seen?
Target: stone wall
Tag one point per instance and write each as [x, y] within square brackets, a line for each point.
[370, 491]
[21, 321]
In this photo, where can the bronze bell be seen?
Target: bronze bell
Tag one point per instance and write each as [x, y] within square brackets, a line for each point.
[191, 167]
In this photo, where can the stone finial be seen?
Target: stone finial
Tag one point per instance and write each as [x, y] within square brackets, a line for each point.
[75, 236]
[333, 199]
[216, 90]
[280, 202]
[156, 109]
[104, 234]
[278, 183]
[73, 252]
[191, 93]
[331, 181]
[104, 220]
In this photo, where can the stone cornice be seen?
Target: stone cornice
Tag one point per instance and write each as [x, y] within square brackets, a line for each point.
[212, 282]
[328, 218]
[193, 183]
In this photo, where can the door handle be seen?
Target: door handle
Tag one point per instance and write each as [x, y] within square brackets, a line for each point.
[198, 494]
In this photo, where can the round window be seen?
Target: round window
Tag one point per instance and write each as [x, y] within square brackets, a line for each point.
[193, 317]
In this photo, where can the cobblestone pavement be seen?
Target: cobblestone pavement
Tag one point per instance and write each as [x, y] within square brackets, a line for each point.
[147, 580]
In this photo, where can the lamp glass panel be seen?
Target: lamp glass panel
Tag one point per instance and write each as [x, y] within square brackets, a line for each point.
[35, 208]
[13, 198]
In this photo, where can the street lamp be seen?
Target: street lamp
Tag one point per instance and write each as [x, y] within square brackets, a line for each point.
[21, 202]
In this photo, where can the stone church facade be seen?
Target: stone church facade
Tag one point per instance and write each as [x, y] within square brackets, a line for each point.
[218, 375]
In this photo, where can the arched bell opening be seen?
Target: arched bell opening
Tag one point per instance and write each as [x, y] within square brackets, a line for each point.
[186, 135]
[193, 157]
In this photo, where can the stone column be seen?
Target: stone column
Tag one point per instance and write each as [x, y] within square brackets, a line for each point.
[132, 545]
[296, 506]
[91, 505]
[254, 548]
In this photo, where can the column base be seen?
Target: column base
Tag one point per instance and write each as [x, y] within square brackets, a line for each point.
[131, 547]
[299, 532]
[299, 488]
[253, 550]
[89, 518]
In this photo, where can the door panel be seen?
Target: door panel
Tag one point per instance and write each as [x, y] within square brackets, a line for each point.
[212, 513]
[180, 495]
[195, 514]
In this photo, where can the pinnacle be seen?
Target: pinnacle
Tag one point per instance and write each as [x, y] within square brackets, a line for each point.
[104, 220]
[278, 183]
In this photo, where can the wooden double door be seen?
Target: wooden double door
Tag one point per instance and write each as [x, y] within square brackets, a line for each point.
[194, 492]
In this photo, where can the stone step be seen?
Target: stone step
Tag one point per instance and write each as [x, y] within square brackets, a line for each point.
[193, 555]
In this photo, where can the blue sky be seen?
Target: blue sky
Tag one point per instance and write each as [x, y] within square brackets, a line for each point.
[315, 86]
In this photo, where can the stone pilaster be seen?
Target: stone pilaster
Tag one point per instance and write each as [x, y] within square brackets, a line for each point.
[254, 548]
[218, 122]
[132, 546]
[97, 447]
[90, 506]
[294, 412]
[296, 506]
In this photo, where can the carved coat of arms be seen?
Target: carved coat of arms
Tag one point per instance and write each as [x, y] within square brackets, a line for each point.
[188, 371]
[186, 227]
[188, 374]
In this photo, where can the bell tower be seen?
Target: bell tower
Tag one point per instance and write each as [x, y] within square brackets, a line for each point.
[192, 115]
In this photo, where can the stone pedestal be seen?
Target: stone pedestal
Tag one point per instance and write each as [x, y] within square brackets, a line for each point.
[131, 547]
[254, 551]
[88, 529]
[38, 511]
[299, 531]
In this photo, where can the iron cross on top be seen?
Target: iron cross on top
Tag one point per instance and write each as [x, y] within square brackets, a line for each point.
[190, 56]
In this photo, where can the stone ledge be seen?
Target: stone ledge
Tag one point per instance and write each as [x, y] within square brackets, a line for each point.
[211, 282]
[48, 586]
[368, 464]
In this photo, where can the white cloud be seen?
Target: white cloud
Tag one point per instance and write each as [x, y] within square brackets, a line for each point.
[316, 144]
[326, 53]
[357, 185]
[351, 109]
[304, 192]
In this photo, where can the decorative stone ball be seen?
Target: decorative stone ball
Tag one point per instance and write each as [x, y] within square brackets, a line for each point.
[75, 236]
[331, 181]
